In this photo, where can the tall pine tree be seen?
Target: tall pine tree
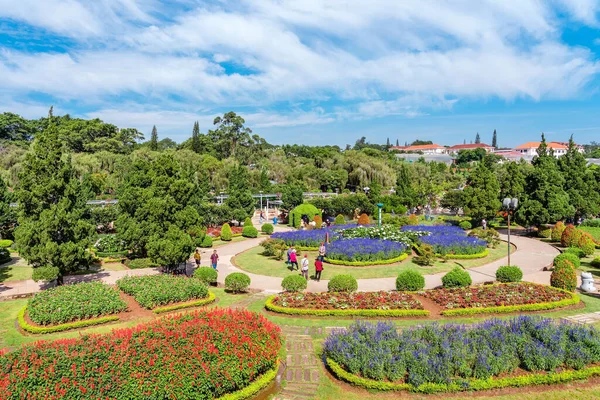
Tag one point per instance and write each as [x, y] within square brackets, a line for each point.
[397, 142]
[240, 198]
[494, 140]
[7, 213]
[154, 139]
[196, 146]
[480, 195]
[477, 138]
[53, 230]
[388, 142]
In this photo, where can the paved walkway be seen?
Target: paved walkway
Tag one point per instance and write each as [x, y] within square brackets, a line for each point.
[531, 255]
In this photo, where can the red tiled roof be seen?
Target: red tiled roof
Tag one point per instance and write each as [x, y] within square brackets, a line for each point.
[424, 147]
[470, 146]
[535, 145]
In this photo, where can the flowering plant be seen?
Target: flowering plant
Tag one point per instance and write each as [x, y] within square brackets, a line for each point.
[157, 290]
[348, 300]
[302, 238]
[364, 250]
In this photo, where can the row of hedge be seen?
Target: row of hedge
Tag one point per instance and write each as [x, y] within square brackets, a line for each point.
[23, 324]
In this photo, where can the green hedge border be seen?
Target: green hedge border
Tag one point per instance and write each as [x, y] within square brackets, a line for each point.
[111, 254]
[523, 307]
[194, 303]
[259, 384]
[303, 248]
[483, 254]
[473, 385]
[62, 327]
[402, 257]
[342, 313]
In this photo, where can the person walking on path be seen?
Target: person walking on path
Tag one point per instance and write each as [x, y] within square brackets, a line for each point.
[293, 259]
[322, 251]
[484, 223]
[318, 269]
[214, 257]
[289, 253]
[305, 266]
[197, 258]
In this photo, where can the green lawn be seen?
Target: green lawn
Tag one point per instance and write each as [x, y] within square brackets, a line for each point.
[217, 243]
[15, 270]
[595, 232]
[585, 264]
[252, 261]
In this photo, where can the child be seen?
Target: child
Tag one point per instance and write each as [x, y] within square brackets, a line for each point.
[305, 266]
[214, 257]
[318, 269]
[197, 258]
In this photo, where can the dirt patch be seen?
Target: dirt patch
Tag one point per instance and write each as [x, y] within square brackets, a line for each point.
[435, 310]
[134, 310]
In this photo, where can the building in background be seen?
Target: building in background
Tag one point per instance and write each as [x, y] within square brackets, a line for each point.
[423, 148]
[472, 146]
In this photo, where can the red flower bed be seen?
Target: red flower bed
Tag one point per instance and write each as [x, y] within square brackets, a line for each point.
[216, 232]
[349, 301]
[198, 355]
[512, 294]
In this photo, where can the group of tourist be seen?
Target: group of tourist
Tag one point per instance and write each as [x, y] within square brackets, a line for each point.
[214, 258]
[292, 261]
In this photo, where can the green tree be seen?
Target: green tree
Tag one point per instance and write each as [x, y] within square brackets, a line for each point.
[7, 213]
[494, 140]
[579, 182]
[453, 200]
[419, 142]
[231, 128]
[397, 142]
[13, 127]
[53, 230]
[477, 138]
[154, 139]
[512, 178]
[480, 196]
[240, 199]
[196, 145]
[545, 200]
[292, 195]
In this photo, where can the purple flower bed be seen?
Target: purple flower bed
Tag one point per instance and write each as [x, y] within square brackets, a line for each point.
[454, 244]
[302, 238]
[453, 354]
[364, 250]
[436, 229]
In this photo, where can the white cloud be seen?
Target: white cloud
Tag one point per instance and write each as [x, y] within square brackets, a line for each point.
[585, 11]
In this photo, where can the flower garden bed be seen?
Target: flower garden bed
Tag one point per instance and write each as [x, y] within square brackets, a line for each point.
[367, 304]
[401, 257]
[213, 354]
[152, 291]
[216, 232]
[449, 358]
[500, 298]
[69, 303]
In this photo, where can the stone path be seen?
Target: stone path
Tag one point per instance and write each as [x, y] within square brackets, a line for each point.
[584, 319]
[247, 300]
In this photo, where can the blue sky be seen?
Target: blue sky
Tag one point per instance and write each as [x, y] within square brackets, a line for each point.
[308, 71]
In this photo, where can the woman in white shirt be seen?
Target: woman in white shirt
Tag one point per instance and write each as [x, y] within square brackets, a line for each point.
[305, 267]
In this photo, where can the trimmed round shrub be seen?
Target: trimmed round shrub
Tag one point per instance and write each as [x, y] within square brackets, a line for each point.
[206, 242]
[139, 263]
[363, 219]
[595, 262]
[248, 222]
[544, 232]
[342, 283]
[586, 243]
[267, 228]
[413, 220]
[564, 276]
[294, 283]
[4, 255]
[340, 220]
[509, 273]
[226, 233]
[466, 225]
[318, 221]
[6, 243]
[575, 250]
[410, 280]
[458, 277]
[249, 232]
[570, 236]
[557, 231]
[237, 282]
[295, 217]
[45, 274]
[572, 258]
[207, 275]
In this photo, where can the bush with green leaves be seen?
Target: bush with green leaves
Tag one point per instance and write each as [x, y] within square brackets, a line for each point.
[206, 242]
[342, 283]
[595, 223]
[466, 225]
[586, 243]
[4, 255]
[570, 236]
[237, 282]
[207, 275]
[544, 232]
[248, 221]
[249, 231]
[425, 255]
[139, 263]
[563, 276]
[575, 250]
[295, 216]
[491, 236]
[6, 243]
[226, 233]
[509, 273]
[458, 277]
[410, 280]
[274, 248]
[294, 283]
[45, 274]
[109, 244]
[571, 257]
[74, 302]
[267, 228]
[340, 220]
[151, 291]
[557, 231]
[595, 262]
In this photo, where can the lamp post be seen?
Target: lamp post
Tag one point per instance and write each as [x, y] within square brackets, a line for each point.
[261, 209]
[379, 207]
[509, 205]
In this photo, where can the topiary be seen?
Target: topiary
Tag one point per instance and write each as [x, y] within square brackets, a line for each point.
[410, 280]
[237, 282]
[413, 220]
[466, 225]
[363, 219]
[45, 274]
[4, 255]
[458, 277]
[570, 236]
[139, 263]
[247, 222]
[509, 273]
[318, 221]
[340, 220]
[206, 242]
[267, 228]
[226, 233]
[575, 250]
[586, 243]
[563, 276]
[572, 258]
[425, 255]
[6, 243]
[544, 232]
[249, 231]
[207, 275]
[595, 262]
[294, 283]
[342, 283]
[295, 217]
[557, 231]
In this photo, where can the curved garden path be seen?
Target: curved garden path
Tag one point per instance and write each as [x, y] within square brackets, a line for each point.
[530, 254]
